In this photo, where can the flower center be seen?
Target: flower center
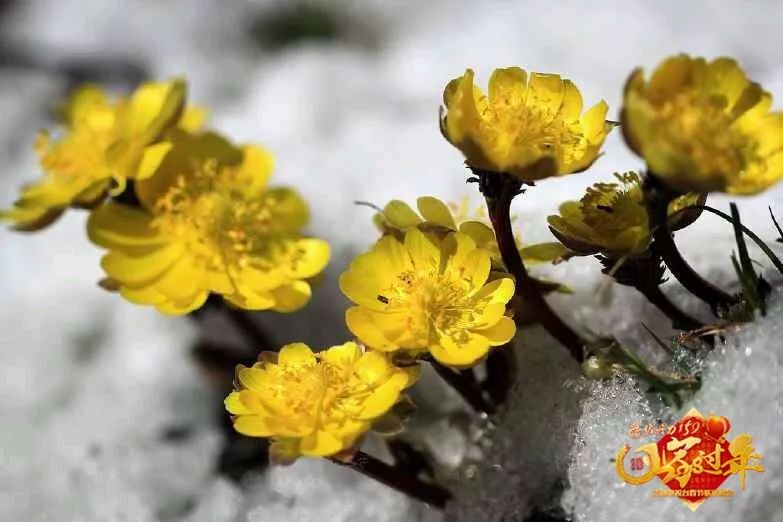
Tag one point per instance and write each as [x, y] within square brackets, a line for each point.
[432, 302]
[220, 221]
[534, 125]
[702, 127]
[611, 208]
[79, 158]
[322, 393]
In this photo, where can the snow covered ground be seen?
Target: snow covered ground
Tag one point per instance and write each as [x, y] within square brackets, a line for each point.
[106, 418]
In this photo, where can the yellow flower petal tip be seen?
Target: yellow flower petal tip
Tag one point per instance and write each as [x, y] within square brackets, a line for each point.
[428, 293]
[440, 218]
[99, 146]
[315, 404]
[704, 126]
[611, 219]
[209, 223]
[529, 125]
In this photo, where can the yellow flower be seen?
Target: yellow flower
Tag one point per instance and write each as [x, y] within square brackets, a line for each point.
[209, 223]
[436, 217]
[531, 127]
[316, 405]
[101, 145]
[428, 294]
[611, 219]
[704, 126]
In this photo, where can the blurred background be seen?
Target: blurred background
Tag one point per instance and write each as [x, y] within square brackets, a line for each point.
[105, 412]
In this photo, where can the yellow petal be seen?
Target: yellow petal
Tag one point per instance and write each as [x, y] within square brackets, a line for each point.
[183, 282]
[218, 282]
[343, 355]
[83, 103]
[320, 444]
[498, 291]
[462, 113]
[152, 158]
[382, 398]
[117, 226]
[500, 333]
[257, 165]
[249, 299]
[473, 267]
[362, 324]
[251, 378]
[546, 91]
[373, 271]
[435, 211]
[508, 86]
[312, 257]
[424, 254]
[481, 234]
[373, 367]
[155, 106]
[142, 296]
[252, 426]
[460, 352]
[290, 298]
[572, 101]
[251, 280]
[138, 270]
[400, 215]
[235, 406]
[594, 122]
[30, 220]
[193, 118]
[672, 74]
[489, 315]
[184, 305]
[296, 354]
[724, 76]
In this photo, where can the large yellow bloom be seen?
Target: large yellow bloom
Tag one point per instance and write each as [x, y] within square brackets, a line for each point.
[704, 126]
[209, 223]
[316, 405]
[531, 127]
[427, 293]
[611, 218]
[101, 145]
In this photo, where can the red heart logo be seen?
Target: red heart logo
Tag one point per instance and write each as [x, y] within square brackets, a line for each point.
[716, 427]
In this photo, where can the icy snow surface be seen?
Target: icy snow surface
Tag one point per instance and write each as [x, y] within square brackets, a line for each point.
[106, 418]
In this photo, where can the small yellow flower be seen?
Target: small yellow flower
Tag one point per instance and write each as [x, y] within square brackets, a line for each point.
[611, 219]
[101, 145]
[428, 294]
[316, 405]
[209, 223]
[531, 127]
[704, 126]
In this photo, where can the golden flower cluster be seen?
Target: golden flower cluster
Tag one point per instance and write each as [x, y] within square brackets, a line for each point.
[704, 126]
[319, 404]
[530, 126]
[99, 148]
[185, 214]
[204, 219]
